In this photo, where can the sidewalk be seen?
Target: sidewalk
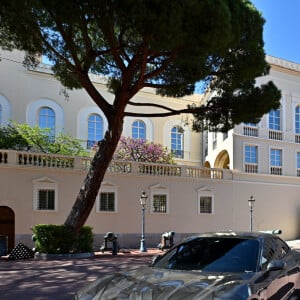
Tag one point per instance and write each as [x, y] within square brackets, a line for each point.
[32, 279]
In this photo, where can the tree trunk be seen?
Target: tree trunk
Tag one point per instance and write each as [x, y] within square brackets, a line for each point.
[88, 193]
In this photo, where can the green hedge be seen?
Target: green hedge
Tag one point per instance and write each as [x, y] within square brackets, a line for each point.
[58, 239]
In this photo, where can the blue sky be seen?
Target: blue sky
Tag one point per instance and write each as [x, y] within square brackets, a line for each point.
[282, 28]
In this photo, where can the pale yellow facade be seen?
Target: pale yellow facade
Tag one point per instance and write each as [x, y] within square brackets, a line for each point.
[226, 184]
[23, 92]
[277, 199]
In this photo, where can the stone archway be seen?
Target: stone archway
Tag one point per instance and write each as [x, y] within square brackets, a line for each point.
[222, 161]
[206, 164]
[7, 225]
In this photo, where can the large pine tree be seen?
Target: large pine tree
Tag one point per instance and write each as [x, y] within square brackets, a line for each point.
[166, 44]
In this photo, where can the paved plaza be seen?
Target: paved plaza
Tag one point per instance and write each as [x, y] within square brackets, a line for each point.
[32, 279]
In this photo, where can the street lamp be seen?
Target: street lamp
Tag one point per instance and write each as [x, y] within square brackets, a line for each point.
[143, 200]
[251, 201]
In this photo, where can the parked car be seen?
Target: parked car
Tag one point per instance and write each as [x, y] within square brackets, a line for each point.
[220, 265]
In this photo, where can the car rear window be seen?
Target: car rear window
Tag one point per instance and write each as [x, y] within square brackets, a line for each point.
[213, 254]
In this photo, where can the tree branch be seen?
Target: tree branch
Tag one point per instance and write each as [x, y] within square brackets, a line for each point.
[107, 29]
[66, 37]
[151, 105]
[198, 110]
[162, 68]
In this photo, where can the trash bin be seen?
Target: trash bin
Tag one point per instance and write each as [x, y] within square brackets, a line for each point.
[167, 240]
[110, 237]
[3, 245]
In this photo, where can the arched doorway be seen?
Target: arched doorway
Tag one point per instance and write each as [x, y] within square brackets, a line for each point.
[7, 225]
[222, 161]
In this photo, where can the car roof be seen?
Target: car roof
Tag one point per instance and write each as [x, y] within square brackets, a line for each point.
[232, 234]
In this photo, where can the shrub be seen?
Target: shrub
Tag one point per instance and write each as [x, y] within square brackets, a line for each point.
[59, 239]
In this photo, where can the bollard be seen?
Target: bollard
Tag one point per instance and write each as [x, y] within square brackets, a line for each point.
[110, 237]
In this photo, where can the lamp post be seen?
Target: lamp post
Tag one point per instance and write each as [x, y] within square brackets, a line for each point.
[143, 200]
[251, 201]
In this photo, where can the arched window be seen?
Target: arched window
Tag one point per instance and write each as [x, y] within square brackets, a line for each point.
[138, 130]
[297, 119]
[95, 130]
[47, 119]
[5, 111]
[177, 141]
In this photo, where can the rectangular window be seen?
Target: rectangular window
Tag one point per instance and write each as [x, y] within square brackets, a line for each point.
[46, 199]
[159, 203]
[276, 161]
[297, 119]
[251, 154]
[298, 160]
[177, 141]
[298, 163]
[205, 205]
[107, 201]
[250, 159]
[274, 119]
[276, 157]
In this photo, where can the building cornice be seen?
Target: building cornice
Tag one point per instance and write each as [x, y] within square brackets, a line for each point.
[283, 63]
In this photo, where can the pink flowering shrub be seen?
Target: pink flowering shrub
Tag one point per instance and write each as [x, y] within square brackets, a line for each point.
[143, 151]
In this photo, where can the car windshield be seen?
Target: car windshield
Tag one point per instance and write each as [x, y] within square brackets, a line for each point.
[213, 254]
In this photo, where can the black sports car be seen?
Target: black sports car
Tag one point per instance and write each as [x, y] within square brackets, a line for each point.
[220, 265]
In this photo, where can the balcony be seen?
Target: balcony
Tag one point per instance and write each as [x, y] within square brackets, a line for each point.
[251, 168]
[276, 170]
[297, 138]
[270, 134]
[250, 131]
[275, 135]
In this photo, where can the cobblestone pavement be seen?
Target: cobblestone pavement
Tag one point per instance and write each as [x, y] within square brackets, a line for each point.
[32, 279]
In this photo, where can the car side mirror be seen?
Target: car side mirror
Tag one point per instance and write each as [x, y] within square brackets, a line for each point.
[154, 259]
[275, 265]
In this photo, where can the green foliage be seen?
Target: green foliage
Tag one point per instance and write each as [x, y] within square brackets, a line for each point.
[221, 114]
[169, 45]
[10, 138]
[59, 239]
[36, 139]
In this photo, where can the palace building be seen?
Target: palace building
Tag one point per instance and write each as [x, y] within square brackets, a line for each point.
[207, 190]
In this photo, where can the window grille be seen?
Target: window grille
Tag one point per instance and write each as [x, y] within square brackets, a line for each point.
[159, 203]
[107, 201]
[205, 204]
[46, 199]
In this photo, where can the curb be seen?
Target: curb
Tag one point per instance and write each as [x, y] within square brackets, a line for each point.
[46, 256]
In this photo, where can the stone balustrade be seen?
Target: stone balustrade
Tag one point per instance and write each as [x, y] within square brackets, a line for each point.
[13, 158]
